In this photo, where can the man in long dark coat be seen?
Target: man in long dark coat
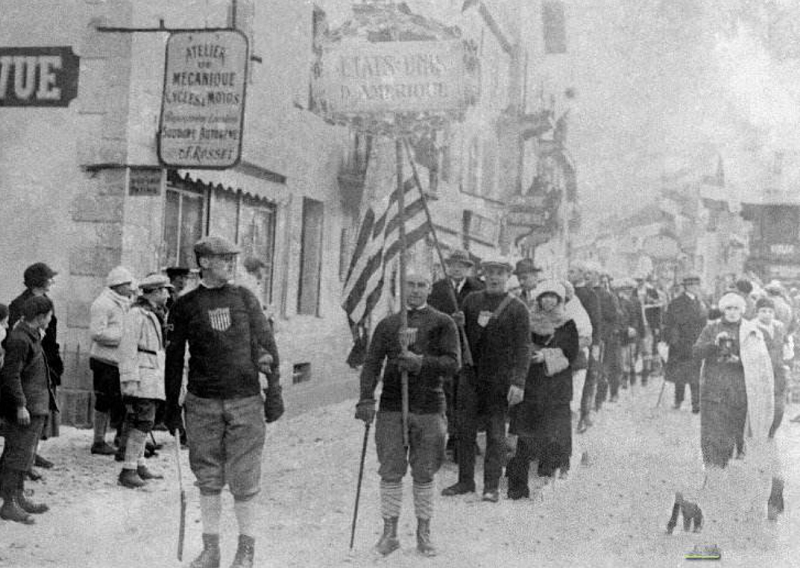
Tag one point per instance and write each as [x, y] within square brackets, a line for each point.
[685, 319]
[610, 314]
[498, 331]
[459, 264]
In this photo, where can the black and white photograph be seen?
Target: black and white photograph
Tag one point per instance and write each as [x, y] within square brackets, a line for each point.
[399, 283]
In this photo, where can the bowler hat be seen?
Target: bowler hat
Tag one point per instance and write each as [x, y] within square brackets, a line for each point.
[177, 271]
[36, 275]
[213, 245]
[525, 266]
[461, 256]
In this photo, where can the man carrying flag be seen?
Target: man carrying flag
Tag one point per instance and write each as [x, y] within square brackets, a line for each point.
[432, 354]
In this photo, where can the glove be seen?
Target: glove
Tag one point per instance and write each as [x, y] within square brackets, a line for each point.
[410, 362]
[129, 388]
[515, 395]
[365, 410]
[173, 419]
[458, 317]
[273, 403]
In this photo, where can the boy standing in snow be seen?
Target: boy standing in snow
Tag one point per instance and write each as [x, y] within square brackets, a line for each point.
[432, 354]
[141, 370]
[27, 399]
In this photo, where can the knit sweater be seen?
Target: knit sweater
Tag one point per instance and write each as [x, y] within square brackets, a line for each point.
[432, 335]
[223, 327]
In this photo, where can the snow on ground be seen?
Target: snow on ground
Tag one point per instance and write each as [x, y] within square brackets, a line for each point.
[612, 512]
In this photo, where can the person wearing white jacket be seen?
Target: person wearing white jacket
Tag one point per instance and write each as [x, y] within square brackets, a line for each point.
[141, 372]
[107, 315]
[574, 310]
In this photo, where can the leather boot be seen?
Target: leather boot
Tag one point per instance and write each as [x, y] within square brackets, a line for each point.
[28, 506]
[146, 474]
[424, 544]
[130, 478]
[244, 552]
[209, 557]
[11, 509]
[388, 542]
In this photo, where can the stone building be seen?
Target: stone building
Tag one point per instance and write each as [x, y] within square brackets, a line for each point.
[84, 190]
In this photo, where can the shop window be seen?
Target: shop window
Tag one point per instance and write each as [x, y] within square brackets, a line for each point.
[310, 258]
[257, 241]
[183, 226]
[224, 214]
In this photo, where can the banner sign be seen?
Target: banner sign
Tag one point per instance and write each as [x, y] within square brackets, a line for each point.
[38, 76]
[202, 108]
[397, 76]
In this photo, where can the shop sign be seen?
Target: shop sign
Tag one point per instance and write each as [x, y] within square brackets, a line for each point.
[527, 217]
[38, 76]
[145, 181]
[483, 228]
[202, 108]
[398, 76]
[782, 249]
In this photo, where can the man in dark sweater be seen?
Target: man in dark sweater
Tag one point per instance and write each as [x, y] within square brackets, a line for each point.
[498, 331]
[588, 298]
[432, 354]
[229, 341]
[447, 296]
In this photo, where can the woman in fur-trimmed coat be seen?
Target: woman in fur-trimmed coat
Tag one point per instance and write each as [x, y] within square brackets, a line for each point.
[737, 393]
[543, 419]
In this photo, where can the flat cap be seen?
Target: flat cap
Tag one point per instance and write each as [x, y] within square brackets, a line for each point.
[154, 282]
[460, 255]
[497, 262]
[526, 266]
[212, 245]
[691, 279]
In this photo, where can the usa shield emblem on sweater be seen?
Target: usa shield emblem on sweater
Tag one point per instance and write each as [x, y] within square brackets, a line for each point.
[220, 319]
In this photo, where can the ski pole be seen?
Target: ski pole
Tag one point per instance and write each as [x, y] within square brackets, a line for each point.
[358, 487]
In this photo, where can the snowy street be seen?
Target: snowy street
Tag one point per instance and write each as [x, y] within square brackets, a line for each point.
[611, 512]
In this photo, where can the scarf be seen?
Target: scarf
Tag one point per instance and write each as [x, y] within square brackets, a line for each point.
[545, 323]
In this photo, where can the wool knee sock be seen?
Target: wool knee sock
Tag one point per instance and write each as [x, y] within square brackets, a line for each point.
[391, 498]
[210, 512]
[100, 425]
[423, 500]
[245, 511]
[134, 448]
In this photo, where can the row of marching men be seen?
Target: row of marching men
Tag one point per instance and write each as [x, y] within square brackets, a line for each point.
[478, 356]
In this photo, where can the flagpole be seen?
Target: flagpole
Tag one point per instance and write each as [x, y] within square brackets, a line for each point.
[401, 205]
[467, 354]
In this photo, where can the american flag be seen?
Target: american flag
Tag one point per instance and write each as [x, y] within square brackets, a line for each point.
[377, 245]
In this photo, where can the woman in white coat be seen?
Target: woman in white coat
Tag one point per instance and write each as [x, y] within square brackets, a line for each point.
[737, 392]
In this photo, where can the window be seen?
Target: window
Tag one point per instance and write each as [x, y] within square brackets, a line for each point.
[310, 258]
[472, 168]
[554, 26]
[344, 253]
[257, 241]
[183, 226]
[488, 172]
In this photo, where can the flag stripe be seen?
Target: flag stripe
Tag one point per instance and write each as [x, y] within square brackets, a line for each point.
[377, 244]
